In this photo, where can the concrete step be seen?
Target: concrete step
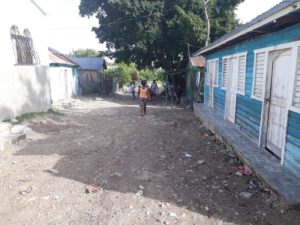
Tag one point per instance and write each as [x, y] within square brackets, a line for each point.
[10, 135]
[5, 128]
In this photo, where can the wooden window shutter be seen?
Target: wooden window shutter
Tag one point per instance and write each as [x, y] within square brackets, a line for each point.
[296, 95]
[216, 72]
[259, 75]
[225, 73]
[208, 72]
[241, 74]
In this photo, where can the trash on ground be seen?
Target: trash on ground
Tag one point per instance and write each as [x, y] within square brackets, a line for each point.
[201, 162]
[188, 155]
[52, 170]
[239, 174]
[245, 195]
[117, 174]
[245, 170]
[140, 192]
[27, 191]
[92, 189]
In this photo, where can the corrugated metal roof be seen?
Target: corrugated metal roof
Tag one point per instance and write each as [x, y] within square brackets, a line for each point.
[277, 8]
[57, 57]
[90, 63]
[197, 61]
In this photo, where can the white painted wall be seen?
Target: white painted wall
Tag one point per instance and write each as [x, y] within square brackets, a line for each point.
[61, 82]
[23, 88]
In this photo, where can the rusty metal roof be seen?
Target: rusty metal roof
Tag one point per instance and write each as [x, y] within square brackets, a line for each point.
[55, 57]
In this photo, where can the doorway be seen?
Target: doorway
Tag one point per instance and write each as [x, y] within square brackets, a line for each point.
[276, 100]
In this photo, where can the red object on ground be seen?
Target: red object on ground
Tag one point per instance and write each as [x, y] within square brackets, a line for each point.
[246, 172]
[91, 189]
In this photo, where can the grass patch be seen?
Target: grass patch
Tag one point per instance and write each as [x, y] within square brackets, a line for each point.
[55, 112]
[27, 116]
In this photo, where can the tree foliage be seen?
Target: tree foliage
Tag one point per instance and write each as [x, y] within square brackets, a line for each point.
[155, 33]
[128, 73]
[123, 72]
[84, 53]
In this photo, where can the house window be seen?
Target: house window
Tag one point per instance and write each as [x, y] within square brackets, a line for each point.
[225, 73]
[241, 74]
[216, 72]
[296, 95]
[213, 72]
[23, 47]
[259, 71]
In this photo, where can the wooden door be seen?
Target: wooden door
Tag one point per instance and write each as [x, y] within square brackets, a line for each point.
[277, 100]
[232, 89]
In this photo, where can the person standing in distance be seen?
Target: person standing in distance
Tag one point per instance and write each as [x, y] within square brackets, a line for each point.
[144, 95]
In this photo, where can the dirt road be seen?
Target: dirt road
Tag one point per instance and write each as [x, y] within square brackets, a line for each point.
[164, 168]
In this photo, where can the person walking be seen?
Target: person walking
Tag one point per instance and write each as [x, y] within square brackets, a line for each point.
[178, 93]
[144, 95]
[132, 87]
[153, 89]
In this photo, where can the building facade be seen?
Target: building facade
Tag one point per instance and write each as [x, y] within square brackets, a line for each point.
[24, 80]
[253, 81]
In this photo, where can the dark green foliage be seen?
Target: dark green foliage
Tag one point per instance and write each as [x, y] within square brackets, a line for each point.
[155, 33]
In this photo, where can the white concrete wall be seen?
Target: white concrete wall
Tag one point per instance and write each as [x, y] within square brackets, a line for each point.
[23, 89]
[61, 83]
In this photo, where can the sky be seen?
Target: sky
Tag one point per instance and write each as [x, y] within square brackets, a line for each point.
[69, 31]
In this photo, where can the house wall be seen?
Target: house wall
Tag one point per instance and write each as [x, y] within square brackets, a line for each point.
[89, 81]
[23, 89]
[249, 110]
[61, 83]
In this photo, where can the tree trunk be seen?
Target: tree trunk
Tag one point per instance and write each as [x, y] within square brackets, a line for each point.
[207, 21]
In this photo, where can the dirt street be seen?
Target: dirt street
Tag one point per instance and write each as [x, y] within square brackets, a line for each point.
[164, 168]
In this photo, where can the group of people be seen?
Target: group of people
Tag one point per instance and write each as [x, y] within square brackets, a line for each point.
[146, 94]
[153, 91]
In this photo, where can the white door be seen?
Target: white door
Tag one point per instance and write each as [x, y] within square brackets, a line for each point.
[231, 89]
[277, 102]
[62, 84]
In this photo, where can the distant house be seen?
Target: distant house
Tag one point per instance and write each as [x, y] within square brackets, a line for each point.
[63, 76]
[90, 69]
[253, 81]
[194, 79]
[24, 80]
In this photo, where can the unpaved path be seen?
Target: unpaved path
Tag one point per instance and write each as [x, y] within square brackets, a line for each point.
[187, 175]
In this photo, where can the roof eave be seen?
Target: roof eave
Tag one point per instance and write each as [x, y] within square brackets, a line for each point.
[293, 7]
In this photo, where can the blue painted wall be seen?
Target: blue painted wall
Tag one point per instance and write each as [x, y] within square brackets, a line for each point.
[292, 153]
[248, 111]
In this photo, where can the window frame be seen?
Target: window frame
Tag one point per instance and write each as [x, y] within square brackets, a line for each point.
[23, 47]
[256, 52]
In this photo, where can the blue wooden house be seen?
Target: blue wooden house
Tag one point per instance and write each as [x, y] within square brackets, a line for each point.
[253, 80]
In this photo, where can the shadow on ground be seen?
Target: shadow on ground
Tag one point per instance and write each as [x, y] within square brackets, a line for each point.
[112, 147]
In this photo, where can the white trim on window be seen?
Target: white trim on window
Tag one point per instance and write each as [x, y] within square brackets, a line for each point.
[212, 70]
[241, 79]
[225, 72]
[259, 75]
[216, 73]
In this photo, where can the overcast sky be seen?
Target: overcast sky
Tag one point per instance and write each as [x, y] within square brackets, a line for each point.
[67, 30]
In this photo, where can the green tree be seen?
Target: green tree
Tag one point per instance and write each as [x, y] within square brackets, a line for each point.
[123, 72]
[155, 33]
[84, 53]
[154, 74]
